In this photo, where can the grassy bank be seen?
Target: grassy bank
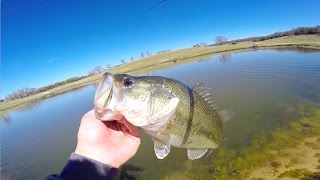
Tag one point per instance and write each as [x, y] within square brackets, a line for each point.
[167, 59]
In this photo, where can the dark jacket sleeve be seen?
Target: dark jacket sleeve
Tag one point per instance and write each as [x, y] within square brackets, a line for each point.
[83, 168]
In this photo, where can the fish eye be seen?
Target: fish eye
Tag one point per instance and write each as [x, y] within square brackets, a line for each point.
[127, 81]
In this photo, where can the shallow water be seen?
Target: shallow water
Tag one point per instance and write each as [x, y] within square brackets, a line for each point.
[257, 85]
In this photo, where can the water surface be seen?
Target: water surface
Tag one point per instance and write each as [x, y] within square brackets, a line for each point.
[257, 85]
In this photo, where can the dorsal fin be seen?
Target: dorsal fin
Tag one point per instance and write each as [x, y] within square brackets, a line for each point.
[204, 92]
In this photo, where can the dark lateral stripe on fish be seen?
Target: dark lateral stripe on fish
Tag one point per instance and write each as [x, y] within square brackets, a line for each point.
[189, 125]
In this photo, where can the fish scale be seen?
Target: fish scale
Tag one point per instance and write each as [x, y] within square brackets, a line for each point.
[206, 123]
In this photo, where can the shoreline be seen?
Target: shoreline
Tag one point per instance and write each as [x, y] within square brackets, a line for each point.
[169, 59]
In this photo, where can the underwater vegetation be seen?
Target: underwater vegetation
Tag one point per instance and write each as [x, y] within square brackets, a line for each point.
[265, 149]
[313, 176]
[297, 173]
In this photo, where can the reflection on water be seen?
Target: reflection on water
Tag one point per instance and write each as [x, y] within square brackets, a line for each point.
[204, 60]
[5, 118]
[267, 89]
[95, 85]
[297, 50]
[225, 58]
[30, 106]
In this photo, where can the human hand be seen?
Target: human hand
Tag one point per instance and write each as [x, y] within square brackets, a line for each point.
[109, 142]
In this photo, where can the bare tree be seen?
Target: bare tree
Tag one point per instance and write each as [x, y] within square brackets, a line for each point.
[21, 93]
[131, 59]
[95, 70]
[142, 55]
[29, 91]
[98, 69]
[148, 53]
[163, 51]
[122, 61]
[201, 44]
[108, 66]
[220, 39]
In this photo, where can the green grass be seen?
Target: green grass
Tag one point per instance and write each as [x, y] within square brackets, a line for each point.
[168, 59]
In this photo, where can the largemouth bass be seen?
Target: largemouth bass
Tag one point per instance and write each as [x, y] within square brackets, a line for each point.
[166, 109]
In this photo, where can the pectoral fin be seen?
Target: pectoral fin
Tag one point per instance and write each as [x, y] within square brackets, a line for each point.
[226, 114]
[161, 150]
[162, 108]
[196, 153]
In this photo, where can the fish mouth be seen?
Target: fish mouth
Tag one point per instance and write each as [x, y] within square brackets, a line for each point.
[104, 91]
[106, 114]
[102, 99]
[98, 112]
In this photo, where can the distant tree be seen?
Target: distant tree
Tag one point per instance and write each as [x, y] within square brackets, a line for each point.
[95, 70]
[294, 31]
[108, 66]
[72, 79]
[142, 55]
[122, 61]
[290, 33]
[131, 59]
[2, 100]
[201, 44]
[163, 51]
[220, 40]
[196, 45]
[21, 93]
[148, 53]
[99, 69]
[29, 91]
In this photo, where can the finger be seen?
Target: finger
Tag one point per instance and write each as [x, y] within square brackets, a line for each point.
[88, 116]
[90, 113]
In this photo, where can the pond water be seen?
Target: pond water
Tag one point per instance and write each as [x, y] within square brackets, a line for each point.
[258, 85]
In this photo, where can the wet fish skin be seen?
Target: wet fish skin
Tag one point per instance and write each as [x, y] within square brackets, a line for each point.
[168, 110]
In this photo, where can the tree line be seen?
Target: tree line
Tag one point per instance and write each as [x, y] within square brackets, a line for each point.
[27, 91]
[220, 40]
[292, 32]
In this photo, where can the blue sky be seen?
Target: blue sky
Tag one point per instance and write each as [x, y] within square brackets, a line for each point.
[45, 41]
